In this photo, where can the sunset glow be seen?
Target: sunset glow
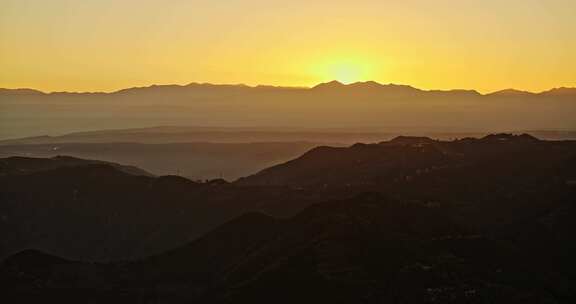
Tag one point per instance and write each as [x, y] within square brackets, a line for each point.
[288, 151]
[346, 73]
[345, 68]
[106, 45]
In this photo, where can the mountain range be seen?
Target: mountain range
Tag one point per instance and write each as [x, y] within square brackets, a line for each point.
[334, 84]
[398, 108]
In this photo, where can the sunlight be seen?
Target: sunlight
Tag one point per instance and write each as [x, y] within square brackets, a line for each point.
[346, 71]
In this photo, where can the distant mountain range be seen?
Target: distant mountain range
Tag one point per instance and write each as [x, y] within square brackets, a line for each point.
[396, 108]
[250, 135]
[332, 85]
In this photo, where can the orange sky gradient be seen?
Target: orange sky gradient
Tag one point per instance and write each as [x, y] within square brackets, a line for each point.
[105, 45]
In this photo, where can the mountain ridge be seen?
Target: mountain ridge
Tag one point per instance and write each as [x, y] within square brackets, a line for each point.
[334, 84]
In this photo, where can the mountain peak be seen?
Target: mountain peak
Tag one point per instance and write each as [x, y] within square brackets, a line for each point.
[562, 91]
[21, 91]
[366, 84]
[410, 140]
[330, 84]
[510, 92]
[508, 137]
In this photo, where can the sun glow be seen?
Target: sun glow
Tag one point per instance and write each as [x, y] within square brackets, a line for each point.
[347, 73]
[106, 45]
[346, 70]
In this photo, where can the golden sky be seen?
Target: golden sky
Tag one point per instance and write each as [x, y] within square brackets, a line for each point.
[104, 45]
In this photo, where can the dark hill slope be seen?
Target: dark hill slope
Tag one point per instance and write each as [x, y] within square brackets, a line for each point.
[111, 214]
[369, 247]
[18, 165]
[405, 157]
[357, 164]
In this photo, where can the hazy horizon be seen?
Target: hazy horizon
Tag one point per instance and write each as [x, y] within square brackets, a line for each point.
[329, 105]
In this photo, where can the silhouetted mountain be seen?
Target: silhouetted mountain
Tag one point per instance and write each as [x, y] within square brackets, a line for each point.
[105, 208]
[399, 108]
[510, 138]
[114, 214]
[409, 140]
[457, 93]
[373, 85]
[410, 220]
[357, 164]
[367, 87]
[346, 166]
[17, 165]
[511, 93]
[192, 160]
[235, 88]
[568, 92]
[379, 165]
[369, 247]
[334, 84]
[8, 92]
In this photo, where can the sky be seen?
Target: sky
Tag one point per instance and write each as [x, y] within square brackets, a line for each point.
[106, 45]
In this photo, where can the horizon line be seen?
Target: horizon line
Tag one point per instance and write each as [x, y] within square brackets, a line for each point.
[332, 82]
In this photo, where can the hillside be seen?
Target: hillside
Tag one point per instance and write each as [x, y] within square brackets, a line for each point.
[407, 158]
[368, 247]
[412, 219]
[114, 214]
[17, 165]
[192, 160]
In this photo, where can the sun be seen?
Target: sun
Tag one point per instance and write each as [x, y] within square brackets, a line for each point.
[347, 73]
[347, 70]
